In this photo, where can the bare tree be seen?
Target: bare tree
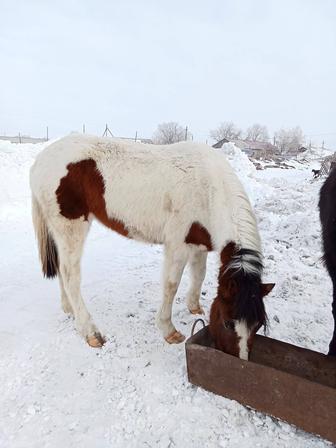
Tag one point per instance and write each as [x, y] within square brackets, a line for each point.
[257, 133]
[168, 133]
[227, 129]
[289, 140]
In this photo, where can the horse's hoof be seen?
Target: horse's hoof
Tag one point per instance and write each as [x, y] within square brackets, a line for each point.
[198, 310]
[175, 338]
[96, 340]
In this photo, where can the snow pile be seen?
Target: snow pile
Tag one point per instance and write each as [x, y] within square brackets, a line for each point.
[244, 168]
[15, 161]
[238, 160]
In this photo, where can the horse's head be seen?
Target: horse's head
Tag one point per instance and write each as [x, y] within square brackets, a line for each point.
[233, 329]
[238, 311]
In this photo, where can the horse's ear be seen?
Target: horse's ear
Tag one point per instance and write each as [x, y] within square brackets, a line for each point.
[266, 288]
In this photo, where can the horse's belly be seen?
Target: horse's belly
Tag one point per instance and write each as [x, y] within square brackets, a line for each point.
[143, 233]
[137, 235]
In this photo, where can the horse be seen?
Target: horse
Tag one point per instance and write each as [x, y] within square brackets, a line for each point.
[316, 173]
[327, 210]
[184, 196]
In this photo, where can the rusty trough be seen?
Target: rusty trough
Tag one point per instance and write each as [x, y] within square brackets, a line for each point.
[288, 382]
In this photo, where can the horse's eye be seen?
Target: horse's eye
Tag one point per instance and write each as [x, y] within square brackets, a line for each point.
[229, 325]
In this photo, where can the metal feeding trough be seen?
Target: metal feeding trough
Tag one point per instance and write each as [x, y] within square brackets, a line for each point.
[288, 382]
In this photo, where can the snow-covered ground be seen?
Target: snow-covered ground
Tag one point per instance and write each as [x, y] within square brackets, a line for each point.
[56, 391]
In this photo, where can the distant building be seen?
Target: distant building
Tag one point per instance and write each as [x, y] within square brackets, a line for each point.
[254, 150]
[220, 144]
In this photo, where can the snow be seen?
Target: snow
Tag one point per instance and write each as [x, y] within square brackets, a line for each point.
[244, 169]
[56, 391]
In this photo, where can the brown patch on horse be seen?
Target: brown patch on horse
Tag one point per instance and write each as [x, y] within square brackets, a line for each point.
[227, 253]
[224, 283]
[81, 192]
[223, 339]
[198, 235]
[222, 309]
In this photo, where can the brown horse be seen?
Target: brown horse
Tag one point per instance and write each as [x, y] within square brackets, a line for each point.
[328, 221]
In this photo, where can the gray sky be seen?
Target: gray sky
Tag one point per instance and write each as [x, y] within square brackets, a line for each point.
[134, 64]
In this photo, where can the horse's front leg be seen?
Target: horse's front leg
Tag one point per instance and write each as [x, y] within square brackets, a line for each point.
[197, 263]
[174, 263]
[332, 345]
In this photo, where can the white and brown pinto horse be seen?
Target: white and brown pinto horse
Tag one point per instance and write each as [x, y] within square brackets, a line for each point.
[184, 196]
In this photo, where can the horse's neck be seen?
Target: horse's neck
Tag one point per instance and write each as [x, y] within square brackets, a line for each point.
[234, 259]
[233, 210]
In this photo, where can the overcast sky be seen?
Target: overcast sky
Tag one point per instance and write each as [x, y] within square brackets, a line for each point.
[134, 64]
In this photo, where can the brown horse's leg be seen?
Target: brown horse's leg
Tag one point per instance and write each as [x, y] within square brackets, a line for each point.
[332, 345]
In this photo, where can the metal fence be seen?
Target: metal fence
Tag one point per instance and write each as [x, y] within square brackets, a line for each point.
[23, 139]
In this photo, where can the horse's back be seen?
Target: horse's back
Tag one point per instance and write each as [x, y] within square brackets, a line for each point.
[158, 191]
[51, 163]
[185, 164]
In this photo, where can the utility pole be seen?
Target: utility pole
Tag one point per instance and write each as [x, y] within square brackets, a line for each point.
[83, 128]
[136, 136]
[107, 130]
[47, 133]
[186, 133]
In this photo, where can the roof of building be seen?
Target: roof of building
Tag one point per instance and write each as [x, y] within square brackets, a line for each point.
[247, 145]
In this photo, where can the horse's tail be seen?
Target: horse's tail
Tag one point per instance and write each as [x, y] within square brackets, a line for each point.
[46, 244]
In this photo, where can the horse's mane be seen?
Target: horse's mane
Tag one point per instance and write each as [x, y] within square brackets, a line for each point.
[248, 261]
[245, 268]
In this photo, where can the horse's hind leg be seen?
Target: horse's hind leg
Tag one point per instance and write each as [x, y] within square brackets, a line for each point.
[70, 237]
[197, 263]
[66, 305]
[174, 263]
